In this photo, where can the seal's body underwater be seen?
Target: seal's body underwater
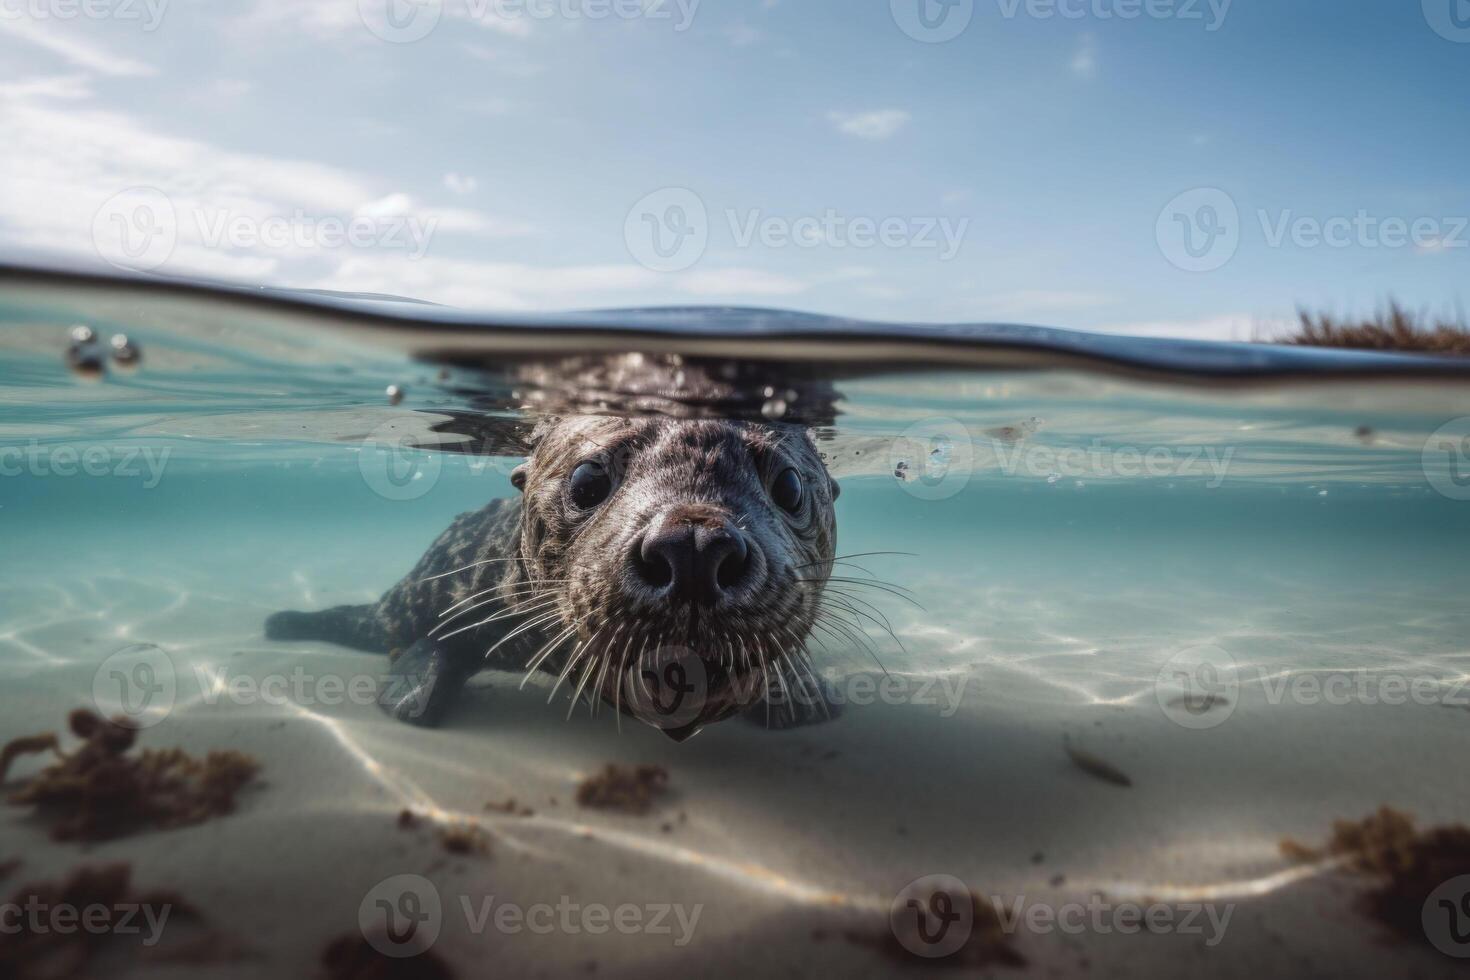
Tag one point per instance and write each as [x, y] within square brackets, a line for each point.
[638, 545]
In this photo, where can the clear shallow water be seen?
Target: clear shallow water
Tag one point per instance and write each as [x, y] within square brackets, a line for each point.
[1076, 540]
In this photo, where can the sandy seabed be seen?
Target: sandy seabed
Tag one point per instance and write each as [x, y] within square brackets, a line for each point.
[791, 845]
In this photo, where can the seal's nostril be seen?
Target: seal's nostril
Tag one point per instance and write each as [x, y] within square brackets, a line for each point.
[661, 560]
[656, 571]
[730, 560]
[691, 564]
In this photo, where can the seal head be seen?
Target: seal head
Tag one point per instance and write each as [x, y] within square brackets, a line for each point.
[686, 559]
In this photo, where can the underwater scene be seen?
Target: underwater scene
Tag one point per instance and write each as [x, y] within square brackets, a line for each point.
[339, 640]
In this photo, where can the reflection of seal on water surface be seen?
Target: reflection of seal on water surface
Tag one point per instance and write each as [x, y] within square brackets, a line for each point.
[672, 568]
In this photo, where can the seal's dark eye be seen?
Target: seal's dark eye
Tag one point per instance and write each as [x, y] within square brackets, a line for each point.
[786, 490]
[590, 485]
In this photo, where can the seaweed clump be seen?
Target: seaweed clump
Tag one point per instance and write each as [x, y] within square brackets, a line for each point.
[1409, 863]
[627, 788]
[104, 893]
[100, 791]
[464, 838]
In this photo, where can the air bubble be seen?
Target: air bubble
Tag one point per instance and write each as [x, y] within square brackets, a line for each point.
[395, 394]
[774, 408]
[124, 351]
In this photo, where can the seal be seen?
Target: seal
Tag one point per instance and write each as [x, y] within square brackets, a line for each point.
[673, 568]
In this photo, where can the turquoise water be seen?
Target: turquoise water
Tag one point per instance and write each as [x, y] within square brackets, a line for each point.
[1086, 548]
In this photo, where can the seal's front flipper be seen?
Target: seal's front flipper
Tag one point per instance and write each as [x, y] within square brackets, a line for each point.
[797, 708]
[424, 681]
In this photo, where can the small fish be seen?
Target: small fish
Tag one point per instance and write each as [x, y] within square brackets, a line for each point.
[1094, 766]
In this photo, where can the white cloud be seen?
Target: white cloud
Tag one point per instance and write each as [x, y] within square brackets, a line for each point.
[1084, 62]
[342, 20]
[65, 161]
[72, 48]
[1241, 327]
[460, 183]
[879, 124]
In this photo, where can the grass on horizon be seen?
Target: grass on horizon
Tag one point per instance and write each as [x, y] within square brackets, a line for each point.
[1395, 329]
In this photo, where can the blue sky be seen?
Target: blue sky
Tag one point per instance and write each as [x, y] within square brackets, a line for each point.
[1043, 165]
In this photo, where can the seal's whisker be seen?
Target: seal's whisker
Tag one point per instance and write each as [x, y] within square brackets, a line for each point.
[528, 625]
[519, 590]
[622, 674]
[581, 650]
[503, 614]
[889, 587]
[546, 651]
[588, 671]
[520, 602]
[856, 554]
[806, 668]
[845, 604]
[850, 599]
[838, 630]
[465, 568]
[594, 703]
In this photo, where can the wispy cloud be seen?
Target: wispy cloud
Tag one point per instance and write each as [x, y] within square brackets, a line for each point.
[879, 124]
[1084, 62]
[73, 49]
[460, 183]
[1240, 327]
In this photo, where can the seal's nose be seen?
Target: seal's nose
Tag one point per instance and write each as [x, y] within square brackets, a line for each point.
[693, 563]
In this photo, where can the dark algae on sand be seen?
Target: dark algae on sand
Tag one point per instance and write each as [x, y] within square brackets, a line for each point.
[102, 790]
[1408, 865]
